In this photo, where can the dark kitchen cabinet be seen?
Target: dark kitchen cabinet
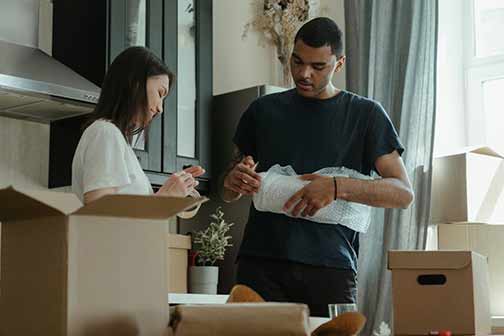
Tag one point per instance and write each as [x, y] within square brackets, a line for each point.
[188, 50]
[89, 34]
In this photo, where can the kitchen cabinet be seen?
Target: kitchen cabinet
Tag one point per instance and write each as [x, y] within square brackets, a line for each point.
[139, 23]
[89, 34]
[188, 51]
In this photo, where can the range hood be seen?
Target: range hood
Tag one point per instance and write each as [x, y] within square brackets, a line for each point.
[35, 86]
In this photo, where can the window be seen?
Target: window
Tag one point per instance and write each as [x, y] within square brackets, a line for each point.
[470, 83]
[488, 20]
[470, 75]
[484, 73]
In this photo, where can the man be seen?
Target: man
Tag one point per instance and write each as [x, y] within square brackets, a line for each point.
[313, 126]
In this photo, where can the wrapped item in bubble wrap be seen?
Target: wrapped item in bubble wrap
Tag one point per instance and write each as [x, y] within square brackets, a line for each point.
[279, 183]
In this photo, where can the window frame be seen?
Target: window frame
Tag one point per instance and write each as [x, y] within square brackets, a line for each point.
[477, 70]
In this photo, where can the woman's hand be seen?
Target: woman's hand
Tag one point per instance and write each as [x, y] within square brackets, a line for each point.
[193, 211]
[179, 184]
[182, 183]
[195, 171]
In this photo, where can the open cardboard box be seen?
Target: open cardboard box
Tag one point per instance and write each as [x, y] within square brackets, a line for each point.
[68, 269]
[468, 186]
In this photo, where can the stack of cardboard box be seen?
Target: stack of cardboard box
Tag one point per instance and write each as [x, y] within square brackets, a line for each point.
[468, 210]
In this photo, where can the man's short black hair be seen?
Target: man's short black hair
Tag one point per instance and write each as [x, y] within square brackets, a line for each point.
[321, 32]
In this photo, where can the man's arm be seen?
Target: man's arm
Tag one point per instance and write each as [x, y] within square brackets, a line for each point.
[393, 190]
[239, 178]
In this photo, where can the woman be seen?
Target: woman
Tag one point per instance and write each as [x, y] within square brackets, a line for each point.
[132, 96]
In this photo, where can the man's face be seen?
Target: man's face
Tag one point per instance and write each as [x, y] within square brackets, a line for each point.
[313, 68]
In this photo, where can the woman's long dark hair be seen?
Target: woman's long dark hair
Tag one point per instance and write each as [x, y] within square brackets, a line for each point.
[123, 97]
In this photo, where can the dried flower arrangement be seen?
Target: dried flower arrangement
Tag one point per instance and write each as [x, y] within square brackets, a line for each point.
[213, 241]
[278, 21]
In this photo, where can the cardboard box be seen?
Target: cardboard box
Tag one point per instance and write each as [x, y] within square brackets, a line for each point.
[440, 290]
[92, 270]
[468, 187]
[498, 325]
[177, 265]
[241, 319]
[486, 240]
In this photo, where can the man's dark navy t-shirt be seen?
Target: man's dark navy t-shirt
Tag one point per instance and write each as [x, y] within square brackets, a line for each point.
[309, 134]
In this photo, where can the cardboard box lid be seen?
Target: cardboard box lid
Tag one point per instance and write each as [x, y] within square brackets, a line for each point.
[430, 259]
[23, 205]
[483, 150]
[26, 204]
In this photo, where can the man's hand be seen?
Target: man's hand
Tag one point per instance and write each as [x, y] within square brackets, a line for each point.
[314, 196]
[243, 179]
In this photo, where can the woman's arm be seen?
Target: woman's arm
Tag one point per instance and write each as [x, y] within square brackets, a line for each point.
[93, 195]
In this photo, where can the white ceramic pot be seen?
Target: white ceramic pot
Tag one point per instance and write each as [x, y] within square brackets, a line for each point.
[203, 279]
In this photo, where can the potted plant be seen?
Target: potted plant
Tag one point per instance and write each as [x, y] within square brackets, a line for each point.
[210, 246]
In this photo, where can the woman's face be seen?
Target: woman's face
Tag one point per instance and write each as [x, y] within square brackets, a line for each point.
[157, 90]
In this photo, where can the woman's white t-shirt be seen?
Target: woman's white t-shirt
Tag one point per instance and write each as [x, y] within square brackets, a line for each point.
[104, 159]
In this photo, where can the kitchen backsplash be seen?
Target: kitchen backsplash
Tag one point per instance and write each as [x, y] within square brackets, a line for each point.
[24, 153]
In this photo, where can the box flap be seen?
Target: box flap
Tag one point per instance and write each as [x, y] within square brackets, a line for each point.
[23, 205]
[429, 259]
[483, 150]
[64, 202]
[139, 206]
[179, 241]
[486, 151]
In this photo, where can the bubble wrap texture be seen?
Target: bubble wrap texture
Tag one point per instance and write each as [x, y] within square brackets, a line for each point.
[280, 183]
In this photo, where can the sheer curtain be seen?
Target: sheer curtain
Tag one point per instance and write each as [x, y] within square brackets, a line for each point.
[391, 57]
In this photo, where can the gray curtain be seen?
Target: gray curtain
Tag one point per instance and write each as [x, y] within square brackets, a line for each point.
[391, 57]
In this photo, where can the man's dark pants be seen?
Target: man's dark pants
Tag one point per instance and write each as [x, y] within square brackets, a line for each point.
[285, 281]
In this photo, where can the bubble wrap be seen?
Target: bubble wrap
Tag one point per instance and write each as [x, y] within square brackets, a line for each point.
[280, 183]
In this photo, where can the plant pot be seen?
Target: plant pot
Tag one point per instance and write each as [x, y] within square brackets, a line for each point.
[203, 279]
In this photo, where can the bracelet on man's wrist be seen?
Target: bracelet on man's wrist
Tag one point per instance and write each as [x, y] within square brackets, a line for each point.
[335, 188]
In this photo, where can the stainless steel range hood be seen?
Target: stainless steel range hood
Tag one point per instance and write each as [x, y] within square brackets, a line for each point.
[35, 86]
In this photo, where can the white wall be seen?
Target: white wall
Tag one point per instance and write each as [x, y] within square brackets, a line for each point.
[19, 21]
[238, 63]
[335, 9]
[450, 113]
[241, 63]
